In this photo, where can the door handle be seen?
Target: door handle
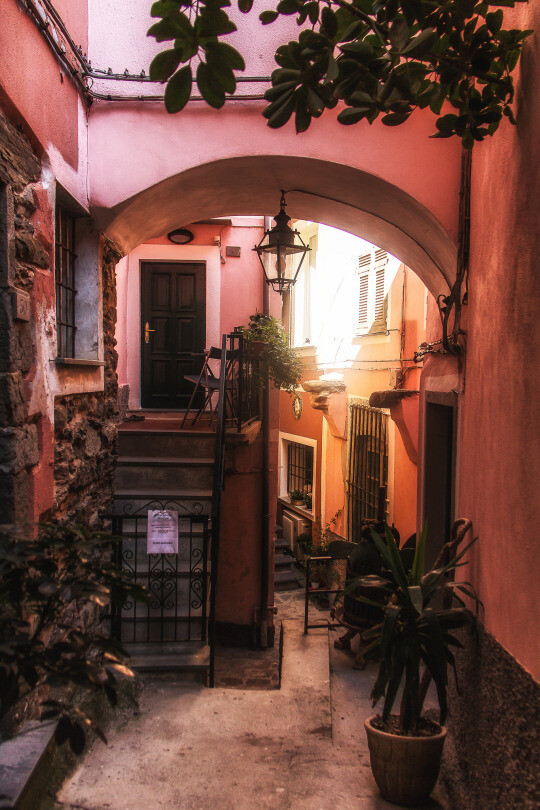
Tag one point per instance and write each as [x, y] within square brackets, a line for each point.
[147, 331]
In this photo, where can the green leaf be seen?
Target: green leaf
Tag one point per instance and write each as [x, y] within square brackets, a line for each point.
[267, 17]
[226, 55]
[211, 89]
[351, 115]
[421, 44]
[245, 6]
[164, 7]
[163, 31]
[314, 102]
[178, 90]
[329, 22]
[494, 20]
[278, 90]
[419, 557]
[394, 119]
[399, 34]
[415, 594]
[390, 618]
[302, 118]
[164, 64]
[398, 665]
[282, 115]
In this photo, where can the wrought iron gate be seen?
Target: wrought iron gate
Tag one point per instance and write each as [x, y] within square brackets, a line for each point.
[177, 584]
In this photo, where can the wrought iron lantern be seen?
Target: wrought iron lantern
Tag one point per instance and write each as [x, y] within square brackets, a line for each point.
[281, 252]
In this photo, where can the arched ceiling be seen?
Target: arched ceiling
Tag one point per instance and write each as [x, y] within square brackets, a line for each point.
[322, 191]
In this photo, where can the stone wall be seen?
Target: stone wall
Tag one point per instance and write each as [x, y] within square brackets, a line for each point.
[84, 423]
[85, 426]
[21, 256]
[492, 753]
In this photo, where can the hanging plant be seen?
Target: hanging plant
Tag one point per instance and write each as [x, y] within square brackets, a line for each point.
[280, 362]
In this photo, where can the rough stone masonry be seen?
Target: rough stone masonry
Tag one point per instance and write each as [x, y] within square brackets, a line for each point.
[81, 479]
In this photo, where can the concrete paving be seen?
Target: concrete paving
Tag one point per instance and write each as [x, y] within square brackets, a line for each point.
[300, 747]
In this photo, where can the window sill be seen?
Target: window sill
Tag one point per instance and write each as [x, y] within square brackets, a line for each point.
[300, 510]
[78, 361]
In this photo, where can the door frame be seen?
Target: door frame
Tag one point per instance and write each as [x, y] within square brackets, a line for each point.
[171, 262]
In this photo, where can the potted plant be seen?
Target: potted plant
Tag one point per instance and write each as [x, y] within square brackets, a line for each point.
[317, 576]
[296, 497]
[416, 632]
[308, 501]
[269, 341]
[304, 542]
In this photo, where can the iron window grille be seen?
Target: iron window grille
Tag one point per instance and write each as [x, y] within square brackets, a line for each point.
[65, 277]
[299, 467]
[367, 464]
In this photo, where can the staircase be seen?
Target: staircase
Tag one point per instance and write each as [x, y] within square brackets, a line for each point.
[164, 464]
[161, 466]
[286, 575]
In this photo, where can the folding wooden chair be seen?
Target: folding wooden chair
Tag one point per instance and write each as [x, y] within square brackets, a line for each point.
[209, 383]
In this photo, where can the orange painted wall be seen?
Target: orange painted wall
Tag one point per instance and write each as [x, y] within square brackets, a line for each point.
[309, 425]
[499, 469]
[33, 80]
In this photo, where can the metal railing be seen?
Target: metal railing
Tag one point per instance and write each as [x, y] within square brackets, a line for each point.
[177, 584]
[309, 590]
[243, 383]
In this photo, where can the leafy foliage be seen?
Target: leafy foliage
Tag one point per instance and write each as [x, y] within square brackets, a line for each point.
[419, 618]
[381, 58]
[283, 363]
[53, 588]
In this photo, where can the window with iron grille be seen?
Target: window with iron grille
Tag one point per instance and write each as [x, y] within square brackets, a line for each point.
[371, 316]
[65, 276]
[367, 464]
[299, 467]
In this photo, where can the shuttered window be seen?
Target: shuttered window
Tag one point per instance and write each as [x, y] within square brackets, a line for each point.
[372, 299]
[367, 464]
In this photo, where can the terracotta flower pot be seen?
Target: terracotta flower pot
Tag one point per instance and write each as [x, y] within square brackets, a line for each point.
[299, 502]
[404, 768]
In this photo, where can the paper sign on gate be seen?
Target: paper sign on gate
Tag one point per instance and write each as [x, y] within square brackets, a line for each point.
[162, 531]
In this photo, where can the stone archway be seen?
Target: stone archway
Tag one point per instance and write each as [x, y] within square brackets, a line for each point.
[322, 191]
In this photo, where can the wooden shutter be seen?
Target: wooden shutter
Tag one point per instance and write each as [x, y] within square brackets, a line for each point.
[364, 267]
[380, 300]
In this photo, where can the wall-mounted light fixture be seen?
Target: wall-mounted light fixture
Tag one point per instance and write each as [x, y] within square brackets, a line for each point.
[180, 236]
[281, 252]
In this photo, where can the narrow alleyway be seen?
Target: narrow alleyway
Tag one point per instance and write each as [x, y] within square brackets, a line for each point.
[299, 747]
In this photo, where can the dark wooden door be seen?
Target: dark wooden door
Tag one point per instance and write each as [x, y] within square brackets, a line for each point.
[173, 304]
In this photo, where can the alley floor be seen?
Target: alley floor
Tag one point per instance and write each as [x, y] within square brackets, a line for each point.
[302, 746]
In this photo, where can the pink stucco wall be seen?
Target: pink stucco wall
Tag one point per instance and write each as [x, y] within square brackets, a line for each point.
[499, 467]
[30, 76]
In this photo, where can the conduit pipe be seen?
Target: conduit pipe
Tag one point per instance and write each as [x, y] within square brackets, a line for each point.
[48, 25]
[265, 483]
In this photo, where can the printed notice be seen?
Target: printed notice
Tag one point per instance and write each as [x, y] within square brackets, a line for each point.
[162, 532]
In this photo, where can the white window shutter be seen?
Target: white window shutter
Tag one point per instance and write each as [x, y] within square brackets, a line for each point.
[380, 308]
[372, 301]
[364, 266]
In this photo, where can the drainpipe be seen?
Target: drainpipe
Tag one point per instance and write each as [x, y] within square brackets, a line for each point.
[265, 500]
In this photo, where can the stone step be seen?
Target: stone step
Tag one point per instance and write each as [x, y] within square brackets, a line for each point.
[282, 560]
[139, 442]
[189, 660]
[286, 580]
[192, 501]
[170, 473]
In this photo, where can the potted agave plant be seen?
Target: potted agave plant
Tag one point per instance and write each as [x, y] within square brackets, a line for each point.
[415, 634]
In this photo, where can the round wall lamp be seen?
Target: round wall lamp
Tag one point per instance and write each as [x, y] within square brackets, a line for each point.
[180, 236]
